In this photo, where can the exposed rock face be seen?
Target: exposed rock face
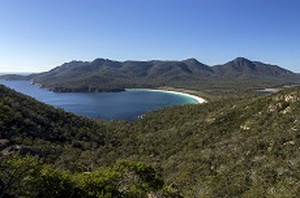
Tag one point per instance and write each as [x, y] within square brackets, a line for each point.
[154, 195]
[288, 98]
[3, 144]
[22, 150]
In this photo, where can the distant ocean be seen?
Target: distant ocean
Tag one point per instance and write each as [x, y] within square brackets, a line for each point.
[17, 73]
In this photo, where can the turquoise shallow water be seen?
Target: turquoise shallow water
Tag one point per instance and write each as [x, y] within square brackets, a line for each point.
[127, 105]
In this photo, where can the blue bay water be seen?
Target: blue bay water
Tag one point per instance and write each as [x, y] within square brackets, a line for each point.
[126, 105]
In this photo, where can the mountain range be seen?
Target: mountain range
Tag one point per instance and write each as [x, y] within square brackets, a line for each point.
[108, 75]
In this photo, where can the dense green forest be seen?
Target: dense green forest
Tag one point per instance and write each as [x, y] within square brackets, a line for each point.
[241, 146]
[236, 76]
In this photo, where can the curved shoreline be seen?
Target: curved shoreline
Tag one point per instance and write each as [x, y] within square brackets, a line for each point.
[198, 99]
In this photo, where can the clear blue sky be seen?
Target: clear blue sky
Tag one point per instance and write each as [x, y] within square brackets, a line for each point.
[36, 35]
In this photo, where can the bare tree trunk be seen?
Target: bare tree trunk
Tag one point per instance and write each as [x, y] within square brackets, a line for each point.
[2, 189]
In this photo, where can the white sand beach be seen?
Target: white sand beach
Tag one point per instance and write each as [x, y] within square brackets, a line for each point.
[197, 98]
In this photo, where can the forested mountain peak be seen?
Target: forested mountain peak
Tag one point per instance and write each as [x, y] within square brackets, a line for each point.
[192, 62]
[240, 67]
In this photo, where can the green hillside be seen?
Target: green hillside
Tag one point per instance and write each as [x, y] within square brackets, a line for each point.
[231, 147]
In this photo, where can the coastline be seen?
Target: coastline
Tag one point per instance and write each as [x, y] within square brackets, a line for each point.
[182, 92]
[198, 99]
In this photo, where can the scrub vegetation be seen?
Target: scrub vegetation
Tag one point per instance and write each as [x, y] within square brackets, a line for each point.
[238, 146]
